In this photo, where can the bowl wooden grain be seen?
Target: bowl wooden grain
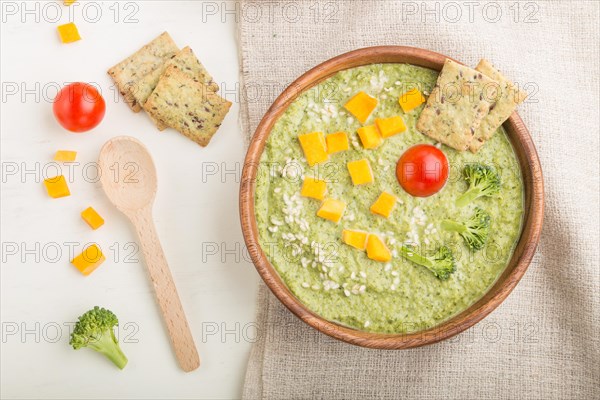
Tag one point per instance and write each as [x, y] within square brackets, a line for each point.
[524, 251]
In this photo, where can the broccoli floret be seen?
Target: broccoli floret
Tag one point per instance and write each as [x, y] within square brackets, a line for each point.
[442, 263]
[94, 329]
[474, 231]
[483, 181]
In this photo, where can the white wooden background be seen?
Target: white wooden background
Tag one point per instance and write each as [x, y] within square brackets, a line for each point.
[196, 211]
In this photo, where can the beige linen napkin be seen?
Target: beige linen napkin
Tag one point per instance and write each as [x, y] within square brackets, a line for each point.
[542, 342]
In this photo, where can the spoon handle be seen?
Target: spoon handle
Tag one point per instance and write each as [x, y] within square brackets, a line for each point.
[166, 292]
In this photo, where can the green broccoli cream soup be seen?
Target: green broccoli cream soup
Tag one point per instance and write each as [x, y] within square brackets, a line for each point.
[339, 282]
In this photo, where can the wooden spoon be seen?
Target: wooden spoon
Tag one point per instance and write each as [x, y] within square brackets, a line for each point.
[129, 180]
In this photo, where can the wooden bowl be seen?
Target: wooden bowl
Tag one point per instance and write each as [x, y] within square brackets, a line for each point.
[524, 251]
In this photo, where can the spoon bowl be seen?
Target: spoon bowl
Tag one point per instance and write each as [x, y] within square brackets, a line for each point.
[128, 175]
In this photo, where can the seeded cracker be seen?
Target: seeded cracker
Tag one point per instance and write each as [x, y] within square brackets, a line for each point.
[186, 104]
[144, 61]
[459, 101]
[187, 62]
[509, 98]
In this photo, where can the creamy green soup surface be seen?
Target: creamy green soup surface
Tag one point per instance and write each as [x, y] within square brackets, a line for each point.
[339, 282]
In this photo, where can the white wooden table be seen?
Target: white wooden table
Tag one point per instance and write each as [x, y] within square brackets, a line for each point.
[196, 212]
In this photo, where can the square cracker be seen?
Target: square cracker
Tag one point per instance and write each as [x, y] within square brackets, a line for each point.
[185, 61]
[142, 62]
[508, 98]
[459, 101]
[186, 104]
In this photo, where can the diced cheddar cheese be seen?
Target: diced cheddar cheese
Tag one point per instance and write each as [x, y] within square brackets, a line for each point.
[361, 106]
[68, 33]
[93, 219]
[332, 210]
[356, 239]
[89, 259]
[369, 136]
[57, 187]
[68, 2]
[384, 204]
[337, 142]
[65, 155]
[377, 250]
[390, 126]
[411, 100]
[313, 188]
[360, 172]
[314, 147]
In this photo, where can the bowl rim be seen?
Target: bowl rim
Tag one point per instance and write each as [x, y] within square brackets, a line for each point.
[524, 250]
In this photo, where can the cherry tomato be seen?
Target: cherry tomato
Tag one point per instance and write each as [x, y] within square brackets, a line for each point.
[79, 107]
[422, 170]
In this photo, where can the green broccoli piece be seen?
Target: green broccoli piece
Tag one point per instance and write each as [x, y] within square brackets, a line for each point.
[483, 181]
[94, 329]
[474, 231]
[442, 263]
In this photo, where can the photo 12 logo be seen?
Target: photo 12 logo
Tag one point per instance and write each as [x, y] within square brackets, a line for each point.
[470, 11]
[91, 12]
[37, 172]
[54, 332]
[55, 252]
[327, 12]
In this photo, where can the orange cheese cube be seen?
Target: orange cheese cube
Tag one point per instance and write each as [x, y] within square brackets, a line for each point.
[332, 210]
[377, 250]
[360, 172]
[411, 100]
[337, 142]
[93, 219]
[314, 147]
[390, 126]
[384, 204]
[370, 136]
[361, 106]
[314, 188]
[68, 2]
[68, 33]
[356, 239]
[65, 155]
[57, 187]
[89, 259]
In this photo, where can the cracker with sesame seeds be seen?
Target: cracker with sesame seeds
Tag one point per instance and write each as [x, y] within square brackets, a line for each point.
[185, 61]
[509, 97]
[147, 59]
[458, 103]
[187, 105]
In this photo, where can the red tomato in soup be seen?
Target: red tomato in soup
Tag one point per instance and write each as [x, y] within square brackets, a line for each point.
[422, 170]
[79, 107]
